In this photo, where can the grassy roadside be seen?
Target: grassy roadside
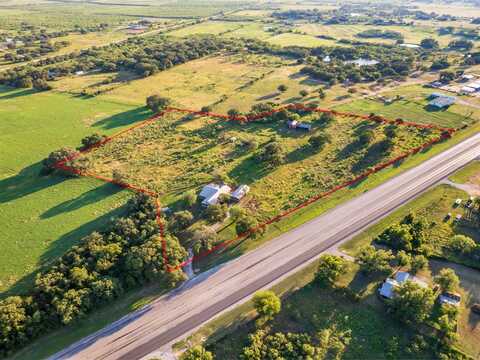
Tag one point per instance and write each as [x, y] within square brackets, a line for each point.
[464, 175]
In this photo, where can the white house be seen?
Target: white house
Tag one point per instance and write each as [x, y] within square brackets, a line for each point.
[387, 290]
[211, 192]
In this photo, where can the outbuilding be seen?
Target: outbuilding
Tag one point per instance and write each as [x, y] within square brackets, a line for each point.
[240, 192]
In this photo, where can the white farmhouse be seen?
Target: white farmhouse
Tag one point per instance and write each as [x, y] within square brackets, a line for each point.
[211, 192]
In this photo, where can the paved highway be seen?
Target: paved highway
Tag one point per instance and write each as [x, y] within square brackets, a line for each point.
[178, 313]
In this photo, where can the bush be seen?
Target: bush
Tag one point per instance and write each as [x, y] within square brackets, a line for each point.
[189, 199]
[282, 88]
[197, 353]
[91, 140]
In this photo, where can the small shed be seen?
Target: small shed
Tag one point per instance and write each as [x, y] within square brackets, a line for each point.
[240, 192]
[401, 277]
[303, 126]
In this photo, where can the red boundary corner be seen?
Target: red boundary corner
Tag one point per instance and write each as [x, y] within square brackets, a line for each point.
[445, 133]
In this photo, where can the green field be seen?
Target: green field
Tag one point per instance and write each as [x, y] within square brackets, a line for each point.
[44, 216]
[413, 107]
[468, 174]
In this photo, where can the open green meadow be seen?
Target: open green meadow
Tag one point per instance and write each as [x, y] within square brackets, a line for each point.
[42, 217]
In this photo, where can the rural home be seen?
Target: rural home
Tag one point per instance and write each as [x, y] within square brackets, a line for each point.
[211, 192]
[440, 101]
[387, 290]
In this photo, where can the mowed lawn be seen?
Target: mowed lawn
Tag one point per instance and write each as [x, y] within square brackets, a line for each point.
[41, 217]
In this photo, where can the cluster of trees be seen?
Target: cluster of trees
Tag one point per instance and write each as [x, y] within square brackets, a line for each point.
[380, 33]
[144, 56]
[329, 343]
[408, 235]
[392, 62]
[93, 273]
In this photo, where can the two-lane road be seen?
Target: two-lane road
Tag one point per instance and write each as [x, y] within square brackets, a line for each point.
[173, 316]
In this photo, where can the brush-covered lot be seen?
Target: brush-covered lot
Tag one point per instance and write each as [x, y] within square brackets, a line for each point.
[43, 216]
[179, 153]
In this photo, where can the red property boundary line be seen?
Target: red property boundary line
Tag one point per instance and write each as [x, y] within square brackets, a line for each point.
[62, 164]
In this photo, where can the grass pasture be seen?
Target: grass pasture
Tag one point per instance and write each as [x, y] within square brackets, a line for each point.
[43, 216]
[413, 107]
[201, 82]
[411, 34]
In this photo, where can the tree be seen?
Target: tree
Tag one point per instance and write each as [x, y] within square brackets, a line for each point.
[267, 304]
[461, 44]
[440, 64]
[462, 244]
[430, 44]
[447, 279]
[206, 109]
[319, 141]
[418, 263]
[403, 258]
[216, 213]
[374, 261]
[157, 103]
[41, 85]
[282, 88]
[197, 353]
[181, 220]
[412, 303]
[327, 118]
[25, 82]
[272, 154]
[447, 76]
[204, 238]
[398, 236]
[245, 224]
[321, 93]
[303, 93]
[329, 269]
[233, 113]
[51, 163]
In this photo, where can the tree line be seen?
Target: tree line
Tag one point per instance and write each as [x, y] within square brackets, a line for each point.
[93, 273]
